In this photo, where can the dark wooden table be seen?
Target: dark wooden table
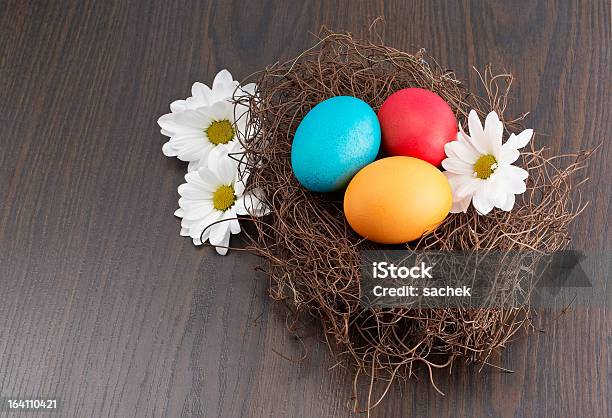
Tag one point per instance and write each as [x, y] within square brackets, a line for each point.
[103, 304]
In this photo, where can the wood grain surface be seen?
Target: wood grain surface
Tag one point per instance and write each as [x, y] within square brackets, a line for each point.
[107, 308]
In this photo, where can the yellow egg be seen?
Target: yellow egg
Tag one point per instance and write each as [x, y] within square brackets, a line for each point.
[397, 199]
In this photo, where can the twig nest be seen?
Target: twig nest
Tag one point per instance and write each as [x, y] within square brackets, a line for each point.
[311, 253]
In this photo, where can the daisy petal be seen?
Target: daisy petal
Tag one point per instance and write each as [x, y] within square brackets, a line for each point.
[210, 177]
[457, 166]
[481, 202]
[461, 205]
[220, 236]
[194, 165]
[191, 120]
[477, 134]
[461, 151]
[191, 192]
[234, 226]
[169, 150]
[168, 123]
[250, 89]
[495, 191]
[203, 225]
[455, 179]
[232, 221]
[512, 180]
[220, 153]
[239, 187]
[523, 138]
[226, 170]
[251, 204]
[202, 237]
[202, 93]
[187, 139]
[222, 77]
[178, 106]
[467, 187]
[198, 209]
[450, 151]
[517, 172]
[203, 184]
[222, 110]
[493, 131]
[508, 152]
[515, 185]
[224, 86]
[508, 204]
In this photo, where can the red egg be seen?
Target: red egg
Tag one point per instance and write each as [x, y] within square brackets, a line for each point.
[417, 123]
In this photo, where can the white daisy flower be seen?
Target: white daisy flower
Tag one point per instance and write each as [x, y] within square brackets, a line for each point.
[206, 120]
[479, 168]
[210, 201]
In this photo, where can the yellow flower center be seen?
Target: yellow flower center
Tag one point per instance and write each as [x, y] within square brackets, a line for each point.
[224, 198]
[485, 166]
[220, 132]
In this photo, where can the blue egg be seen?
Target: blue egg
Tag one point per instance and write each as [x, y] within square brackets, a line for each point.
[336, 139]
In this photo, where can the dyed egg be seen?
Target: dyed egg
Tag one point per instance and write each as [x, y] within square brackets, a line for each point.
[397, 199]
[417, 123]
[337, 138]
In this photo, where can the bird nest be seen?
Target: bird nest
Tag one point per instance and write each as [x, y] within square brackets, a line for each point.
[312, 257]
